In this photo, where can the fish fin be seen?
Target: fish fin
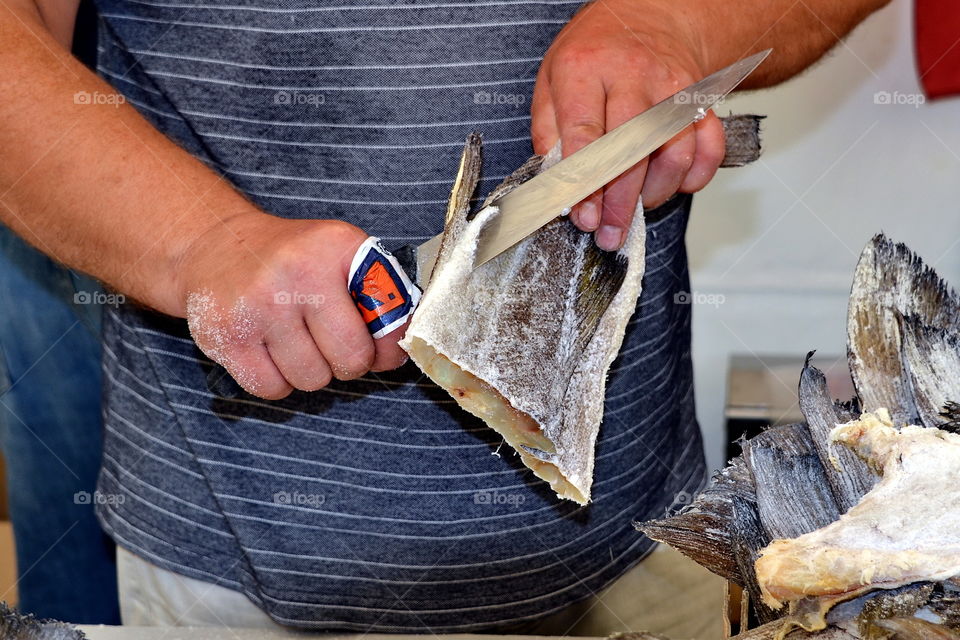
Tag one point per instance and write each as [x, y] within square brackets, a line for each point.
[951, 415]
[891, 280]
[601, 278]
[931, 358]
[16, 626]
[742, 135]
[458, 206]
[848, 476]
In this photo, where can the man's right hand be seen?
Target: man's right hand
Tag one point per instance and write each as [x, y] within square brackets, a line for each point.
[267, 298]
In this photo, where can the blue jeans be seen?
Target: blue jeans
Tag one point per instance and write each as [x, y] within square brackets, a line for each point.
[50, 434]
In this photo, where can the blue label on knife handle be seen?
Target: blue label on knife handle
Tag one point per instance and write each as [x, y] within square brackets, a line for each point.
[384, 295]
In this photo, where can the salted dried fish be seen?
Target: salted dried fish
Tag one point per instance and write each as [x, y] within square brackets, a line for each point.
[524, 341]
[711, 530]
[932, 362]
[913, 629]
[847, 475]
[903, 531]
[16, 626]
[889, 284]
[743, 510]
[842, 578]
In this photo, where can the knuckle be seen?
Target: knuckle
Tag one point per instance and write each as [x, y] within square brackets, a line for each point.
[317, 380]
[676, 161]
[344, 231]
[579, 133]
[584, 127]
[276, 391]
[579, 55]
[542, 140]
[354, 365]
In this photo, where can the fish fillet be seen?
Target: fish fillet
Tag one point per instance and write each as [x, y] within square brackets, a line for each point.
[904, 530]
[524, 341]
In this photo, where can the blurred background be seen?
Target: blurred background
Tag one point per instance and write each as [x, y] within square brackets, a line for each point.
[848, 152]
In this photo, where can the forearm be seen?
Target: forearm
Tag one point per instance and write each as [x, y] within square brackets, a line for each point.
[95, 186]
[799, 33]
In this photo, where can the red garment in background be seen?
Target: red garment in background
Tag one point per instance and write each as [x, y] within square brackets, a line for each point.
[938, 46]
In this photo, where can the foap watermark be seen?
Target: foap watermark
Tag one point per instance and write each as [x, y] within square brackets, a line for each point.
[493, 97]
[97, 497]
[496, 497]
[698, 297]
[680, 500]
[98, 97]
[299, 98]
[700, 99]
[898, 98]
[296, 297]
[99, 297]
[298, 499]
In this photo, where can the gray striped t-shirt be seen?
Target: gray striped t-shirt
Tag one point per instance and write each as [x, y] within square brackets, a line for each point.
[375, 504]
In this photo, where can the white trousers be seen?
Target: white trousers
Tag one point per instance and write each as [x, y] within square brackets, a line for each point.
[665, 594]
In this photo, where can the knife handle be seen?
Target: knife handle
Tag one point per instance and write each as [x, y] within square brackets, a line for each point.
[381, 289]
[379, 286]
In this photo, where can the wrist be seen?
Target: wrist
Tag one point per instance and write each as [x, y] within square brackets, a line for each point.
[206, 244]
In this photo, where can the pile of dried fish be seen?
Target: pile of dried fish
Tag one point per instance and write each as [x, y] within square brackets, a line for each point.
[15, 626]
[855, 556]
[510, 339]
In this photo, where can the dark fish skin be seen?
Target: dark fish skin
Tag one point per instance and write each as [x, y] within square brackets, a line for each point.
[912, 629]
[709, 531]
[892, 283]
[15, 626]
[847, 475]
[932, 361]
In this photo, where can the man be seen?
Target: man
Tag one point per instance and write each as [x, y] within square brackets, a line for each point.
[343, 496]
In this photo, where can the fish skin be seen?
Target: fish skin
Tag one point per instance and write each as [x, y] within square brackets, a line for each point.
[891, 282]
[586, 322]
[16, 626]
[903, 339]
[848, 476]
[931, 357]
[709, 531]
[914, 629]
[537, 329]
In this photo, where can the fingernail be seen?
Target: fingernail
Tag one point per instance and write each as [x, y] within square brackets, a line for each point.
[589, 216]
[608, 237]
